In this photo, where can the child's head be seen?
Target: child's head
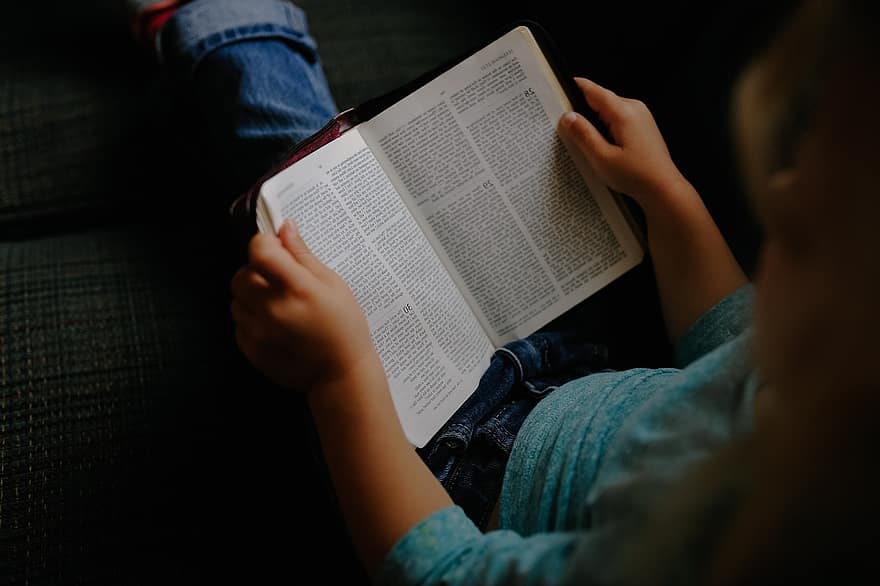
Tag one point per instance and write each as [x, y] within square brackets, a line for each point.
[807, 120]
[808, 128]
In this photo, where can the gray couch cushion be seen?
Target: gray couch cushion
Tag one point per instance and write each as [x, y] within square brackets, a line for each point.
[372, 46]
[104, 347]
[73, 115]
[136, 444]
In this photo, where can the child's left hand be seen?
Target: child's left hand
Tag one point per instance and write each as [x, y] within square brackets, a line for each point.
[295, 319]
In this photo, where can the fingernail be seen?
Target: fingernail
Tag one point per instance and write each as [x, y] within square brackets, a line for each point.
[292, 225]
[568, 119]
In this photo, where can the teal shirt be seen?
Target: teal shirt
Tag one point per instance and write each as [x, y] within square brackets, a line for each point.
[589, 463]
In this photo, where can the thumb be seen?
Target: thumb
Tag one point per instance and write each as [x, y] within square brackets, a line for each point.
[292, 240]
[586, 137]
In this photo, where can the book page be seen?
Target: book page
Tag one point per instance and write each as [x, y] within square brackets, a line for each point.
[524, 227]
[431, 344]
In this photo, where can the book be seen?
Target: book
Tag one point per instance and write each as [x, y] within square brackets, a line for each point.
[457, 215]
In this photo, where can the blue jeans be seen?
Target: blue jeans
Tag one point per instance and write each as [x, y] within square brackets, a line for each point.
[469, 454]
[253, 73]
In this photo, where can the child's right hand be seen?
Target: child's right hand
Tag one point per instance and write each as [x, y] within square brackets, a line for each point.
[693, 265]
[638, 164]
[296, 320]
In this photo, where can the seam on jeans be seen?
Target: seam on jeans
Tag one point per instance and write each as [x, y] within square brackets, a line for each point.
[502, 436]
[520, 373]
[452, 479]
[455, 428]
[204, 47]
[545, 356]
[496, 430]
[461, 434]
[496, 416]
[429, 455]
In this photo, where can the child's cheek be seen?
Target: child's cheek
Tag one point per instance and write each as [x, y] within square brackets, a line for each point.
[781, 315]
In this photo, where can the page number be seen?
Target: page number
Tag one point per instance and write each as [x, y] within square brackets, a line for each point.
[529, 92]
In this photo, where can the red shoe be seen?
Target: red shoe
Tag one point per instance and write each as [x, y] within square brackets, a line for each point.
[147, 18]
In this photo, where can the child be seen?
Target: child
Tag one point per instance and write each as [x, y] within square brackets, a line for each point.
[643, 476]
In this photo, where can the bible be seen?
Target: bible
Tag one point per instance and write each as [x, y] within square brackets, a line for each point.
[457, 215]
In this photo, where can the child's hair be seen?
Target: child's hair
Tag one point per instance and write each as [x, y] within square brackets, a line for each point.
[800, 503]
[808, 503]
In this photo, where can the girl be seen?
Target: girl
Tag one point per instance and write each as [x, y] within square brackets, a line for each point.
[750, 462]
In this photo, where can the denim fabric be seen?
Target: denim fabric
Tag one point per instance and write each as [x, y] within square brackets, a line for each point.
[469, 454]
[251, 71]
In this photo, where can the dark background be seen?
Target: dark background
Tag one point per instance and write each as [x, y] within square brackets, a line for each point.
[136, 446]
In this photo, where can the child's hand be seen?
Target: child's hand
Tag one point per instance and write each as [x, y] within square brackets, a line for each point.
[295, 319]
[638, 164]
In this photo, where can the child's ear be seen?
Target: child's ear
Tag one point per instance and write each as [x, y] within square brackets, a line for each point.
[781, 181]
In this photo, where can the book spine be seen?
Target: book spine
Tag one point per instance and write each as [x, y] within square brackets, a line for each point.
[242, 212]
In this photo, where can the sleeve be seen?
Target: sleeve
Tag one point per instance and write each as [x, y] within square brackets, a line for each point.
[726, 320]
[447, 548]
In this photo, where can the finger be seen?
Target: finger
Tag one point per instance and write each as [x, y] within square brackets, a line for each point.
[587, 138]
[292, 240]
[605, 102]
[270, 259]
[248, 283]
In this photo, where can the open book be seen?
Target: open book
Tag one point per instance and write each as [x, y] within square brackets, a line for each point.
[458, 218]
